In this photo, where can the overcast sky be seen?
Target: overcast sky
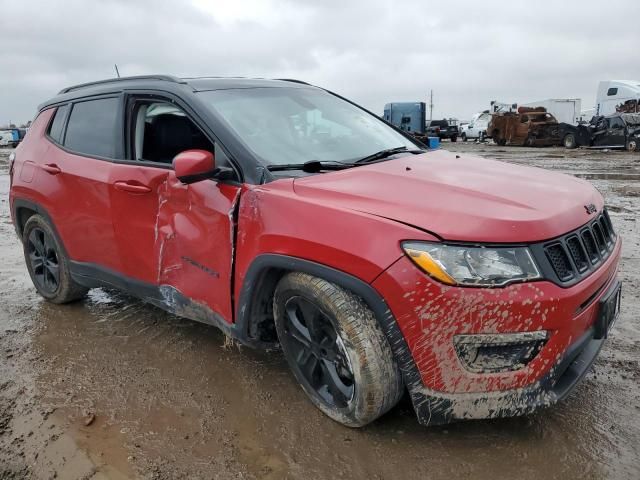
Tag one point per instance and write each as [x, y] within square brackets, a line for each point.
[374, 52]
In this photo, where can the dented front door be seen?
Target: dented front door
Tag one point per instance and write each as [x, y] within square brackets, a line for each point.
[194, 242]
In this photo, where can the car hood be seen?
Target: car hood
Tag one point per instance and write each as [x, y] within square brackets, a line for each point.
[460, 197]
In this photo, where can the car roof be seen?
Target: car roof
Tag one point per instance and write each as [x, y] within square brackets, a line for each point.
[167, 83]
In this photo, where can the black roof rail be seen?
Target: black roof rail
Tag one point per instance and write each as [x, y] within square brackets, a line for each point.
[167, 78]
[292, 80]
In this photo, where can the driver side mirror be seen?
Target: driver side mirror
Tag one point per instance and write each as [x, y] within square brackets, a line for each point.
[193, 166]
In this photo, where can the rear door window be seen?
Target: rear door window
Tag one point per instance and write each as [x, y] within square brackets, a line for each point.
[91, 129]
[57, 125]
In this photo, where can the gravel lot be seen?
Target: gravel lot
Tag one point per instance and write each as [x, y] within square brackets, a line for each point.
[113, 388]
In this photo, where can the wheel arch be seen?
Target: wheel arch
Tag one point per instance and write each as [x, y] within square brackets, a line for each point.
[259, 285]
[25, 209]
[265, 272]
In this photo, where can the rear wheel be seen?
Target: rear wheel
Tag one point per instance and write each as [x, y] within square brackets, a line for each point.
[47, 264]
[497, 139]
[454, 139]
[335, 349]
[570, 141]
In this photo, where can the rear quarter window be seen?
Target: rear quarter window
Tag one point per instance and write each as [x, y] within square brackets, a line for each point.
[57, 124]
[92, 126]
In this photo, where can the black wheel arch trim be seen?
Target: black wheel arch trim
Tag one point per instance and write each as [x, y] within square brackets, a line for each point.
[19, 204]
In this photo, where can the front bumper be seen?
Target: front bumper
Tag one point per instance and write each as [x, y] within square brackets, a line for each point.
[429, 315]
[435, 408]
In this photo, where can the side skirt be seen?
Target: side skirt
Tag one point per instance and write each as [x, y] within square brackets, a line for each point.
[166, 297]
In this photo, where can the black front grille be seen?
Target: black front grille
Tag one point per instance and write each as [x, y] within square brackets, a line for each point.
[559, 261]
[590, 245]
[578, 253]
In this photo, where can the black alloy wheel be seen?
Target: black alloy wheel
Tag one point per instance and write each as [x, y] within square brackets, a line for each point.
[44, 260]
[317, 352]
[336, 349]
[47, 262]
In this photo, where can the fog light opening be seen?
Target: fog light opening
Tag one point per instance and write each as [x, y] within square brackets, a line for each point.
[500, 352]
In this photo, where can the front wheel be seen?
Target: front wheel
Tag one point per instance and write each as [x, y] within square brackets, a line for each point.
[336, 349]
[464, 137]
[47, 264]
[632, 145]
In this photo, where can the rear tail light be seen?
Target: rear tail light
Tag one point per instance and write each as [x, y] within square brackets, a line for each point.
[492, 353]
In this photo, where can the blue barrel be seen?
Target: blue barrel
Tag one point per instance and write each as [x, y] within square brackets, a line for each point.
[434, 142]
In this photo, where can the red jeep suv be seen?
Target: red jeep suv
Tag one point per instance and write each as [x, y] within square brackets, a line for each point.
[289, 217]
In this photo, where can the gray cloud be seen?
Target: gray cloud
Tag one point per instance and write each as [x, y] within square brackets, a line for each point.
[468, 52]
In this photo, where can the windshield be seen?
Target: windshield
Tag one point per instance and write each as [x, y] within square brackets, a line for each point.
[297, 125]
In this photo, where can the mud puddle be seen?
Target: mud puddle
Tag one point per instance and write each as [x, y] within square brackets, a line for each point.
[113, 388]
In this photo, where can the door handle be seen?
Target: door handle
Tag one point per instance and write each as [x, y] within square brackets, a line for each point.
[51, 168]
[131, 187]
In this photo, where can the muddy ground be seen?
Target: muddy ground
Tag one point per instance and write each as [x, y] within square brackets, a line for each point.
[113, 388]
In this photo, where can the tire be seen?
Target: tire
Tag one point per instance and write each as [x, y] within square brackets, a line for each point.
[454, 139]
[47, 263]
[336, 349]
[632, 145]
[570, 141]
[464, 137]
[529, 142]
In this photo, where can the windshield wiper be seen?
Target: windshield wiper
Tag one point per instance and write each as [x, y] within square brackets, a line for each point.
[312, 166]
[386, 153]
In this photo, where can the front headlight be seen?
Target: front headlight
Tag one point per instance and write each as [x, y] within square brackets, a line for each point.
[472, 265]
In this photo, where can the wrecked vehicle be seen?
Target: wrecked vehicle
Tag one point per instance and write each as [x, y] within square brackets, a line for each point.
[629, 106]
[530, 127]
[618, 131]
[291, 218]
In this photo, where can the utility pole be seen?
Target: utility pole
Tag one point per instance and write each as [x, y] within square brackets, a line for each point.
[431, 106]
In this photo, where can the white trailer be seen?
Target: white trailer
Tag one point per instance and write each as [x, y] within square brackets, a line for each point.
[613, 93]
[566, 110]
